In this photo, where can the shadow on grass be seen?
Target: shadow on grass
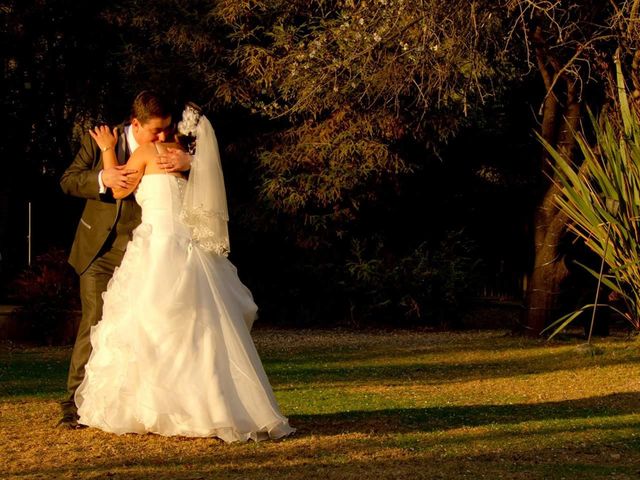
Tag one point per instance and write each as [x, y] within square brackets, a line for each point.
[33, 375]
[406, 420]
[437, 372]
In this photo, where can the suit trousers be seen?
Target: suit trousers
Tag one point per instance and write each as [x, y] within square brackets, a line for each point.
[93, 283]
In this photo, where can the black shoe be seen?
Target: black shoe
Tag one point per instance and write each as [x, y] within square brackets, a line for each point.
[69, 421]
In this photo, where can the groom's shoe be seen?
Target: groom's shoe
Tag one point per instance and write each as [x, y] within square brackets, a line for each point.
[69, 421]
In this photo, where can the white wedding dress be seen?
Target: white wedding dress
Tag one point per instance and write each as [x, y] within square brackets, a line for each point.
[173, 354]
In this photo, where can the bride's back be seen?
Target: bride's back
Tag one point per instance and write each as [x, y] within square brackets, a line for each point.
[160, 196]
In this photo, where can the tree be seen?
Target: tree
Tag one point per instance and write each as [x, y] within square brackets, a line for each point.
[570, 44]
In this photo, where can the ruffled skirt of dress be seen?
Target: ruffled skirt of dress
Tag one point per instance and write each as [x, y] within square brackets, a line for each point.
[173, 354]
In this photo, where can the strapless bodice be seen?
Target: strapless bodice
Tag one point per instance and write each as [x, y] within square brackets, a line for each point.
[160, 197]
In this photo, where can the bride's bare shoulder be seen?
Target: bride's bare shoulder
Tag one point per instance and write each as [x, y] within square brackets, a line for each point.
[144, 152]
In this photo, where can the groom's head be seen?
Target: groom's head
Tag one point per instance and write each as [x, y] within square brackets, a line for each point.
[150, 117]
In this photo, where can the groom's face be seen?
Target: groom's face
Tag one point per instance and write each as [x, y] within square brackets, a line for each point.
[153, 130]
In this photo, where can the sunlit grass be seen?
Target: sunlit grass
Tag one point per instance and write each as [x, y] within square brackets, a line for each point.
[367, 405]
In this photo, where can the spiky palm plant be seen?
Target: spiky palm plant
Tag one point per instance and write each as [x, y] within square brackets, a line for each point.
[601, 197]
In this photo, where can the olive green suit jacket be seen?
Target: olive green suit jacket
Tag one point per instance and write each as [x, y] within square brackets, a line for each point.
[101, 212]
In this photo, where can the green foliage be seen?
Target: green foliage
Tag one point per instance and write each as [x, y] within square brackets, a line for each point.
[322, 173]
[310, 58]
[429, 286]
[601, 197]
[353, 80]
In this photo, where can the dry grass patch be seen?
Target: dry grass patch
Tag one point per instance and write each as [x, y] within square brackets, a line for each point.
[367, 405]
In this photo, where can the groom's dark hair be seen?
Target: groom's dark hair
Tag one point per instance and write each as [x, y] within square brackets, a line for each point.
[149, 104]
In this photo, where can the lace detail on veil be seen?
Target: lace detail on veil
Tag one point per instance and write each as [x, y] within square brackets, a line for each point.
[199, 220]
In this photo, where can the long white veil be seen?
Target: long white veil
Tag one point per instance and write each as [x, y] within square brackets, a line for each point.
[204, 208]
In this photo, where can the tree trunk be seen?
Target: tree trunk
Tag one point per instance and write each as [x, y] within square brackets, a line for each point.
[549, 269]
[559, 122]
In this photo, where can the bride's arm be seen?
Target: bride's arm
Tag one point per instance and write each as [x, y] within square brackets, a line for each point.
[107, 141]
[138, 163]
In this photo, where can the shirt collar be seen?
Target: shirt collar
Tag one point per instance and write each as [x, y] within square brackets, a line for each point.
[131, 140]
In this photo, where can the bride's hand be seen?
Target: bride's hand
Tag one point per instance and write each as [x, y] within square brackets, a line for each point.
[104, 137]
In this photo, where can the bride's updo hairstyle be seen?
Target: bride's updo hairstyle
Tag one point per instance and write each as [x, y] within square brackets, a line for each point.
[186, 134]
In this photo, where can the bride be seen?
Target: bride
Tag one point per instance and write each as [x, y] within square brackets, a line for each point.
[173, 354]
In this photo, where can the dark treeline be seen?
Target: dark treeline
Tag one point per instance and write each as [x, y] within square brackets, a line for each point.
[380, 157]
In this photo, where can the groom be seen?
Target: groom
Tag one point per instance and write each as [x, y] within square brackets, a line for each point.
[106, 224]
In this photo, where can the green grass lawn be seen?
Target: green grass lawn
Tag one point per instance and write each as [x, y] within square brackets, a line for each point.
[378, 405]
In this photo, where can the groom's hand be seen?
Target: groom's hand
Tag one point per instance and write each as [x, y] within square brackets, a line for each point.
[118, 177]
[175, 160]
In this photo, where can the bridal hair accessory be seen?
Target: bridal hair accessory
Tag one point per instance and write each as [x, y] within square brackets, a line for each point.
[189, 123]
[204, 208]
